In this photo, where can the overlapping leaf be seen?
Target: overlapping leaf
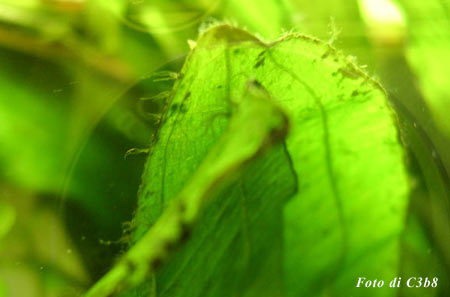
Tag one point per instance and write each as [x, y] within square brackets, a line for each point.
[343, 149]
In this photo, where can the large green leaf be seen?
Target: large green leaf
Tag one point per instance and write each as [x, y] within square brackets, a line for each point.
[416, 86]
[219, 196]
[347, 216]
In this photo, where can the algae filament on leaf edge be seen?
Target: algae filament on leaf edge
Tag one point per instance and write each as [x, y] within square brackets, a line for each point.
[343, 152]
[232, 161]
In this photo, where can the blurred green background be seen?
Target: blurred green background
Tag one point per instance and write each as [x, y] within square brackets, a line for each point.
[74, 76]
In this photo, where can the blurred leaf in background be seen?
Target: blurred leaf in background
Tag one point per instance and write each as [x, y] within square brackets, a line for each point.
[428, 54]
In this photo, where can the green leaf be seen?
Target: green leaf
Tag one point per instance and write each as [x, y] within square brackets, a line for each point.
[205, 198]
[253, 14]
[347, 216]
[427, 54]
[32, 126]
[7, 218]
